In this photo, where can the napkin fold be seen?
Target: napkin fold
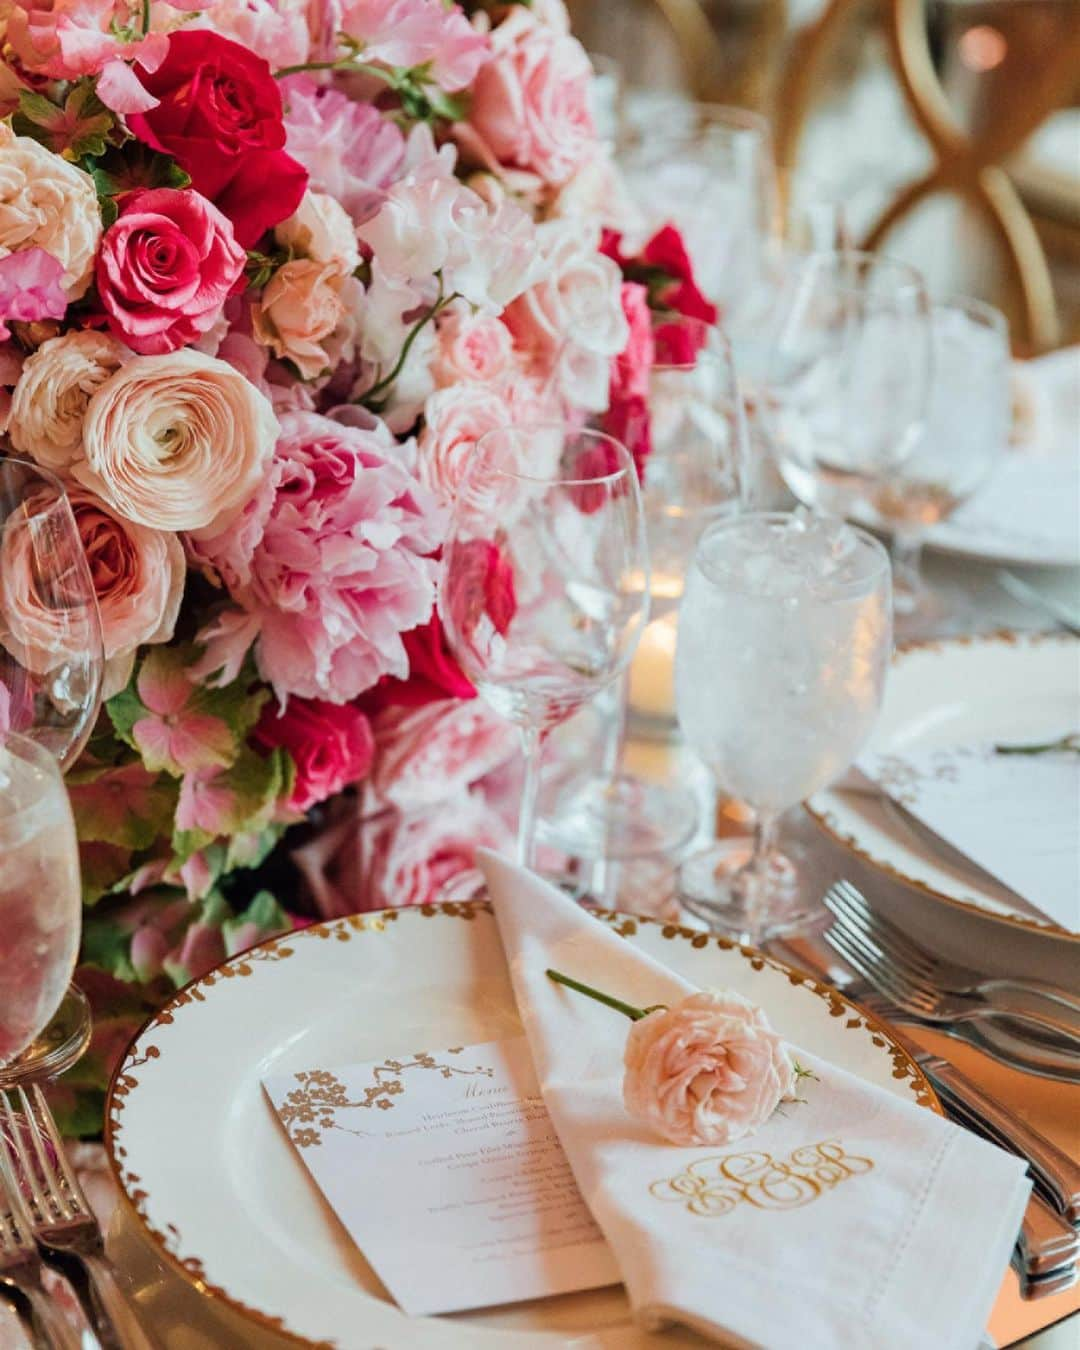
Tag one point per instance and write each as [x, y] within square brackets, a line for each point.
[852, 1219]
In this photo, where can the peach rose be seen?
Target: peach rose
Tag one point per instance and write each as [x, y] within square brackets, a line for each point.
[707, 1071]
[454, 420]
[530, 102]
[298, 311]
[45, 202]
[138, 575]
[52, 395]
[320, 229]
[474, 347]
[177, 442]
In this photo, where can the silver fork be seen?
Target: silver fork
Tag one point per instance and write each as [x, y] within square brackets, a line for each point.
[908, 975]
[20, 1264]
[62, 1221]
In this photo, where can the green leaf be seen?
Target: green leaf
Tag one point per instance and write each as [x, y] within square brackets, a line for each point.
[124, 805]
[108, 946]
[101, 867]
[81, 128]
[135, 167]
[125, 709]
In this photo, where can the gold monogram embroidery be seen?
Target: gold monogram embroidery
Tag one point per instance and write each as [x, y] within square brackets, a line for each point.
[713, 1186]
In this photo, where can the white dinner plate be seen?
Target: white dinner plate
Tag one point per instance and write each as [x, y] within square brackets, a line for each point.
[1003, 687]
[219, 1190]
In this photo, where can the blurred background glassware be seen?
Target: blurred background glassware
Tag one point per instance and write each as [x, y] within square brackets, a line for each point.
[709, 170]
[848, 376]
[51, 657]
[785, 635]
[40, 895]
[607, 97]
[51, 669]
[965, 434]
[545, 583]
[694, 473]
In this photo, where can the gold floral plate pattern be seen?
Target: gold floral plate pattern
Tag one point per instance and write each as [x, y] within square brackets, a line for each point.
[1001, 687]
[213, 1179]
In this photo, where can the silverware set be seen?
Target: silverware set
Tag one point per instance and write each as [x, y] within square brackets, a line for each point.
[46, 1222]
[1026, 1024]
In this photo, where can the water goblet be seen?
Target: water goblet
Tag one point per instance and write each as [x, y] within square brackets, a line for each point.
[785, 634]
[545, 581]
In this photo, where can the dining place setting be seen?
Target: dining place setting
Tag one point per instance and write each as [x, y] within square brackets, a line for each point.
[539, 716]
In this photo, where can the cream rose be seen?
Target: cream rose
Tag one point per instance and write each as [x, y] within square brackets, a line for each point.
[298, 312]
[177, 442]
[45, 202]
[138, 575]
[320, 229]
[454, 420]
[708, 1070]
[471, 347]
[54, 390]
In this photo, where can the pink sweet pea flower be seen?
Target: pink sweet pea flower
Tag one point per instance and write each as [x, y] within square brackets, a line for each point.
[30, 288]
[413, 33]
[175, 736]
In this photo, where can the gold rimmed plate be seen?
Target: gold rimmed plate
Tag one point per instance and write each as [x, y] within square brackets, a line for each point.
[1004, 687]
[218, 1191]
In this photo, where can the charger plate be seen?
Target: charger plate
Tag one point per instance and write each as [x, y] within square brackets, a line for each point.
[219, 1191]
[1007, 687]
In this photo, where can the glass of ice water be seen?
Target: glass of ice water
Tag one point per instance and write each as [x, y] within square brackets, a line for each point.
[785, 634]
[965, 434]
[40, 900]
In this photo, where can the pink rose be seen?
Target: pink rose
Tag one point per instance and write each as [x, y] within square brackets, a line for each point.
[30, 289]
[424, 858]
[471, 347]
[627, 417]
[478, 591]
[138, 574]
[166, 268]
[299, 311]
[454, 420]
[707, 1071]
[428, 754]
[340, 567]
[530, 102]
[330, 744]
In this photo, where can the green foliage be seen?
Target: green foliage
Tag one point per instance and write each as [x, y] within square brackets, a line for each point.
[82, 127]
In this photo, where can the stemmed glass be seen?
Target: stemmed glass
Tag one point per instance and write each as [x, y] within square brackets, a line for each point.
[966, 433]
[545, 582]
[848, 376]
[695, 473]
[51, 664]
[785, 634]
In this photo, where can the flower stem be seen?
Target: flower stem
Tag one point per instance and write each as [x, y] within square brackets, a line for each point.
[145, 16]
[1070, 741]
[369, 396]
[627, 1009]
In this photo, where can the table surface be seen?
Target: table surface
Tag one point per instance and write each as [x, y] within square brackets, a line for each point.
[185, 1321]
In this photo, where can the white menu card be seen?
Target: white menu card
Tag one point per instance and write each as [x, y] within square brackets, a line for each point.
[1016, 816]
[447, 1173]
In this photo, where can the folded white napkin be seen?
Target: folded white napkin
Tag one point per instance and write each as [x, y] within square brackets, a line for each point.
[893, 1228]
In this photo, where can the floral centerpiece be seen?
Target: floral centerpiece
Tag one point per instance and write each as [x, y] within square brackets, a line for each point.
[268, 269]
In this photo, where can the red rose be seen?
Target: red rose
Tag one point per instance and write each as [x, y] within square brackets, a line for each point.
[219, 115]
[666, 251]
[330, 743]
[434, 675]
[166, 268]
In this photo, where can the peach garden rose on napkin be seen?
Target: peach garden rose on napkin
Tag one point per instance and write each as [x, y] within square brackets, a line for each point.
[707, 1070]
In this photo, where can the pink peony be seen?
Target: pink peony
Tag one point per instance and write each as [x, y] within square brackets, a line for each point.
[331, 745]
[530, 102]
[352, 152]
[430, 856]
[138, 575]
[473, 347]
[339, 571]
[30, 288]
[707, 1071]
[427, 754]
[165, 269]
[412, 33]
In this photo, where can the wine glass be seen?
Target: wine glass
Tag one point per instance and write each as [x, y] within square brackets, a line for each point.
[785, 634]
[965, 435]
[709, 169]
[40, 896]
[694, 473]
[51, 665]
[545, 581]
[848, 376]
